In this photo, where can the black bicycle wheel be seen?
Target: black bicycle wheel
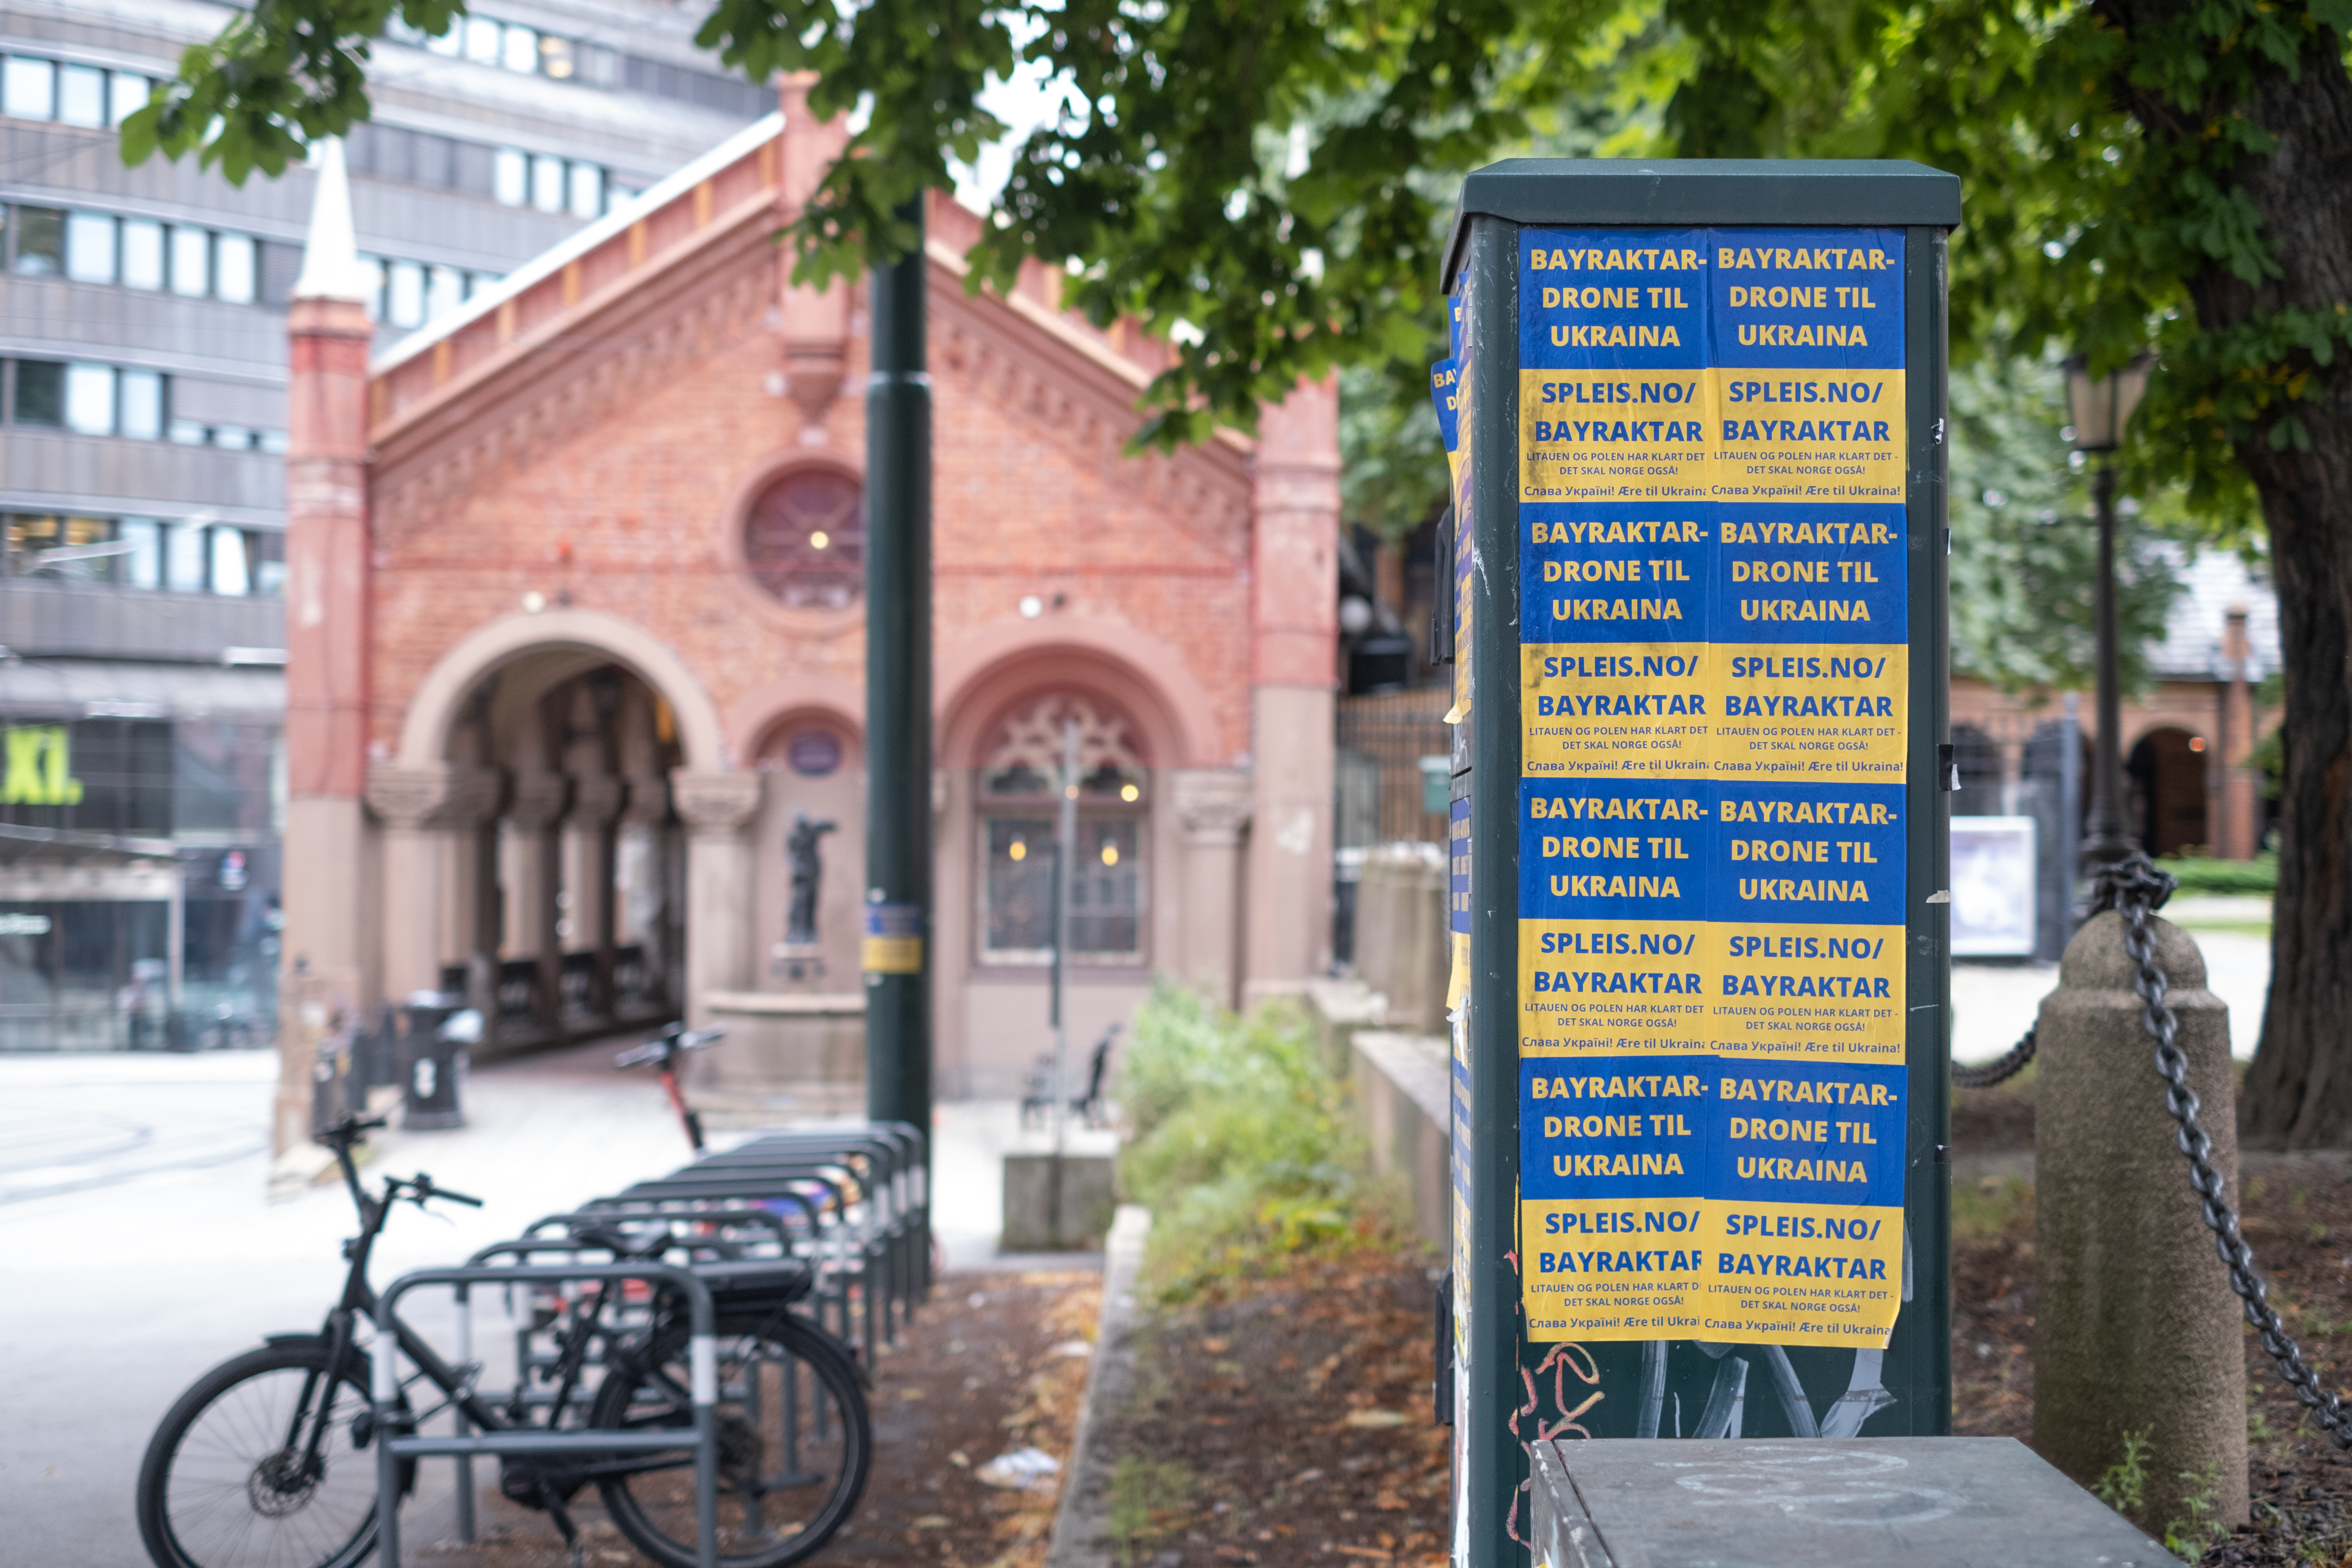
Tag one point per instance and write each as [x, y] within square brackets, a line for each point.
[795, 1444]
[227, 1483]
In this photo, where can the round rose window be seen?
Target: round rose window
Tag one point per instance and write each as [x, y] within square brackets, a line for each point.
[805, 539]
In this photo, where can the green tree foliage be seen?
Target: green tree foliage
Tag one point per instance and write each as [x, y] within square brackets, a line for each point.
[1266, 181]
[2025, 548]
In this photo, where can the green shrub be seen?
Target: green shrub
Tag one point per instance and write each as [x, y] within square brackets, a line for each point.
[1243, 1149]
[2201, 874]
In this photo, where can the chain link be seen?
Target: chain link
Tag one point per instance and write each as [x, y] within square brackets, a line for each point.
[2136, 887]
[2002, 1068]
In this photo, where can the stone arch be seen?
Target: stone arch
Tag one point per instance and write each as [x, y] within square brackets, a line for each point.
[436, 705]
[2164, 775]
[1138, 675]
[754, 719]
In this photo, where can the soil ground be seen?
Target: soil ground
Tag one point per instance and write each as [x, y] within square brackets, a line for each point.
[1286, 1423]
[2298, 1214]
[991, 1363]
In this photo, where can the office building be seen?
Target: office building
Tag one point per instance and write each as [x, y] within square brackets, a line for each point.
[142, 424]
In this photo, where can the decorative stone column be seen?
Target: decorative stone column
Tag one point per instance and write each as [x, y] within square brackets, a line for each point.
[1294, 659]
[717, 808]
[597, 800]
[418, 807]
[536, 810]
[1213, 813]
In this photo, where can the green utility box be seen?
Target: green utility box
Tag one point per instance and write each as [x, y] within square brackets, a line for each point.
[1695, 411]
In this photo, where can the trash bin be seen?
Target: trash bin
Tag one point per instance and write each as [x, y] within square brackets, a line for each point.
[435, 1031]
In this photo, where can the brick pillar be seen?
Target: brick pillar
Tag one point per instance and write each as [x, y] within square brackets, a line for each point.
[2234, 830]
[1293, 653]
[329, 955]
[816, 323]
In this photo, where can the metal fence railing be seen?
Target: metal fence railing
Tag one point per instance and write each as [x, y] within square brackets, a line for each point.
[1391, 766]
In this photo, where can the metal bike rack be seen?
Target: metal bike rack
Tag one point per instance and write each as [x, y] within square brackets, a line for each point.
[385, 1394]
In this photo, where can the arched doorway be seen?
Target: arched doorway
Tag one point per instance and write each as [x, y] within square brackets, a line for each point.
[564, 908]
[2166, 774]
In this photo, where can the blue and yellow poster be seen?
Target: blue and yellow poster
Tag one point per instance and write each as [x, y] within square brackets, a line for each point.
[1714, 680]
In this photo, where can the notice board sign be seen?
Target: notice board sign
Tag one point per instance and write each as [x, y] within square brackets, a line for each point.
[1699, 470]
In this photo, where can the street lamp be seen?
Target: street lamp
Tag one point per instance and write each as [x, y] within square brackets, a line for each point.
[2102, 408]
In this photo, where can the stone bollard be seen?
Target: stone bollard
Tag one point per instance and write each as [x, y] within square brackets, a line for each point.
[2136, 1329]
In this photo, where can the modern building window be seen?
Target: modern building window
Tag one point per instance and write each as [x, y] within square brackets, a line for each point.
[151, 553]
[82, 96]
[90, 247]
[233, 268]
[547, 183]
[511, 177]
[587, 190]
[444, 290]
[142, 564]
[89, 399]
[143, 253]
[127, 95]
[40, 393]
[183, 558]
[481, 40]
[62, 549]
[28, 88]
[40, 243]
[804, 539]
[405, 294]
[35, 88]
[191, 270]
[1020, 781]
[519, 49]
[555, 58]
[143, 404]
[228, 563]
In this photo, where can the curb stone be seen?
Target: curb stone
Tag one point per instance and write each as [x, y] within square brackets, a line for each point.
[1081, 1536]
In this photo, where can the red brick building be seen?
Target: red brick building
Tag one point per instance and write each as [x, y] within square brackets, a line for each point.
[576, 635]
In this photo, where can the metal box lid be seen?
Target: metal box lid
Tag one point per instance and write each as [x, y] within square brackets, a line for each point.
[1924, 1502]
[1795, 192]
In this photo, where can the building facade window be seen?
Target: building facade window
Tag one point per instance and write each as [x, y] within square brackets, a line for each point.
[805, 539]
[133, 252]
[87, 399]
[31, 88]
[178, 556]
[1020, 781]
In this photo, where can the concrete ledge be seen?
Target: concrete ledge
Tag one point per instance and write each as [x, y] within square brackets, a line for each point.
[787, 1004]
[1401, 1108]
[1081, 1536]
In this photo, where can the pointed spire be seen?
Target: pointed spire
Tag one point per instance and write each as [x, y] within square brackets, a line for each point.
[330, 261]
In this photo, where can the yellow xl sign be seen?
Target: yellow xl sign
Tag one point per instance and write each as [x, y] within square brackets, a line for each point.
[40, 772]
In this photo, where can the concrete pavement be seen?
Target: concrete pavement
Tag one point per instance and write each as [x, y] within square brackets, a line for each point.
[142, 1249]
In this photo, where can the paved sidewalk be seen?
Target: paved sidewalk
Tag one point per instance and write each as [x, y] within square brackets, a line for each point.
[142, 1249]
[1993, 1003]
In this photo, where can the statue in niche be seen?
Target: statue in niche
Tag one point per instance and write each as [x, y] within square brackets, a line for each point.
[802, 852]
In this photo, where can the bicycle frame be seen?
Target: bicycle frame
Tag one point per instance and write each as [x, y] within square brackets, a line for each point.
[360, 1299]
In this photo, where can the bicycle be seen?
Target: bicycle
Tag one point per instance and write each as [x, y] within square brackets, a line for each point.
[246, 1467]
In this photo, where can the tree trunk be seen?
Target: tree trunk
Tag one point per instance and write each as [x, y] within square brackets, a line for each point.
[2299, 1092]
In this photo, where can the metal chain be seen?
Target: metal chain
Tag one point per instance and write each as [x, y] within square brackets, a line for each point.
[2136, 887]
[1999, 1071]
[2105, 889]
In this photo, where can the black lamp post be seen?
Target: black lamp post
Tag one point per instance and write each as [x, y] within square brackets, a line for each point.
[2102, 408]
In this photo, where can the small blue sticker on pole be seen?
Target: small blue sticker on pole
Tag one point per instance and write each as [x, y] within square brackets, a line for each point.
[894, 939]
